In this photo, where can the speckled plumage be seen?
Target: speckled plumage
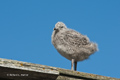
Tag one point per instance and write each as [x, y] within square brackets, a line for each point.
[72, 44]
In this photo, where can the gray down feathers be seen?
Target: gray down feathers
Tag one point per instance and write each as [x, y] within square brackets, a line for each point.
[72, 44]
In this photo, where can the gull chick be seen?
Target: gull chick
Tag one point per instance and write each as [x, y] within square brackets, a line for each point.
[71, 44]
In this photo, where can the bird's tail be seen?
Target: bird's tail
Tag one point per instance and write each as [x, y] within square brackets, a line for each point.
[93, 47]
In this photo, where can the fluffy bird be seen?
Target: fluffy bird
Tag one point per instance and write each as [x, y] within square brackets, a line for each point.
[71, 44]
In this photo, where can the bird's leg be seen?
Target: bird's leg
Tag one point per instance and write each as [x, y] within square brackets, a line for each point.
[75, 65]
[72, 63]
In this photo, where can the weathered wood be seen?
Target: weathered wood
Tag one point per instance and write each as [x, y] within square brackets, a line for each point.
[18, 70]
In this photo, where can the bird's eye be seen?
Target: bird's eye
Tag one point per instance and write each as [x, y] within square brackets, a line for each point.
[61, 27]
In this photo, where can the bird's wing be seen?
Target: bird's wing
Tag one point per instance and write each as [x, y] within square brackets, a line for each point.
[74, 38]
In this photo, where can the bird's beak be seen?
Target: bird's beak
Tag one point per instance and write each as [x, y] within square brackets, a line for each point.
[55, 29]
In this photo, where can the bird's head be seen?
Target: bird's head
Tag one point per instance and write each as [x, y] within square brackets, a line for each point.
[60, 26]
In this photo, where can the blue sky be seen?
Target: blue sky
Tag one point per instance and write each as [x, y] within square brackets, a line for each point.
[26, 27]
